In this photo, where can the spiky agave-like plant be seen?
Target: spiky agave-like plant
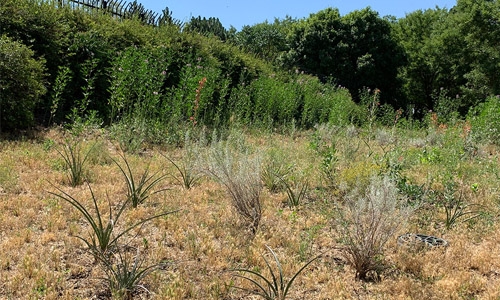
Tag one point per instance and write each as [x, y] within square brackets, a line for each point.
[276, 287]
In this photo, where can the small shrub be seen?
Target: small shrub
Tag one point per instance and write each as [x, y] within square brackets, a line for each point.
[384, 137]
[447, 108]
[358, 175]
[455, 207]
[369, 218]
[372, 103]
[485, 121]
[130, 134]
[324, 144]
[415, 194]
[99, 154]
[343, 110]
[239, 172]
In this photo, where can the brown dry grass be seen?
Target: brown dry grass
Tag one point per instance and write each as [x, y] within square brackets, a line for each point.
[42, 258]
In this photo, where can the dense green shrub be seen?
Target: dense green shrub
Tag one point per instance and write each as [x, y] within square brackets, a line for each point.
[315, 101]
[39, 25]
[136, 80]
[21, 84]
[277, 100]
[274, 101]
[326, 103]
[485, 120]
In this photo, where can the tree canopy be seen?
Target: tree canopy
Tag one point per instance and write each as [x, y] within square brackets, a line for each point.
[356, 51]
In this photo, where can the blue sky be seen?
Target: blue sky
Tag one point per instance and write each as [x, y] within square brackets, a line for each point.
[240, 12]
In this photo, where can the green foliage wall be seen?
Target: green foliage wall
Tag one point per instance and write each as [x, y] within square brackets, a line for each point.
[156, 78]
[438, 59]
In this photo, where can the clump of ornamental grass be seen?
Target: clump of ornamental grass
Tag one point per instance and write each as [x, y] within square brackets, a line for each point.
[238, 170]
[103, 236]
[139, 189]
[274, 287]
[125, 272]
[274, 169]
[74, 159]
[188, 167]
[295, 190]
[367, 220]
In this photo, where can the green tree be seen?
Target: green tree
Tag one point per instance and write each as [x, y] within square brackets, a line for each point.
[479, 25]
[356, 51]
[166, 19]
[316, 44]
[454, 51]
[208, 27]
[418, 33]
[266, 40]
[373, 56]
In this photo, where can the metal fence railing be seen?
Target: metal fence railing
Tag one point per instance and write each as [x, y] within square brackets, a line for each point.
[119, 9]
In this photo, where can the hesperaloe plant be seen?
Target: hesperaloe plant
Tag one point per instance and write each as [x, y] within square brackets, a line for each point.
[102, 236]
[277, 286]
[139, 190]
[74, 160]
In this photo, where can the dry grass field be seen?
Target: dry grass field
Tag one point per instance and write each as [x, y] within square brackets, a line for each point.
[196, 248]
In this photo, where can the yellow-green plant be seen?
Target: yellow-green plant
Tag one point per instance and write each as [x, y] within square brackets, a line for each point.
[277, 286]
